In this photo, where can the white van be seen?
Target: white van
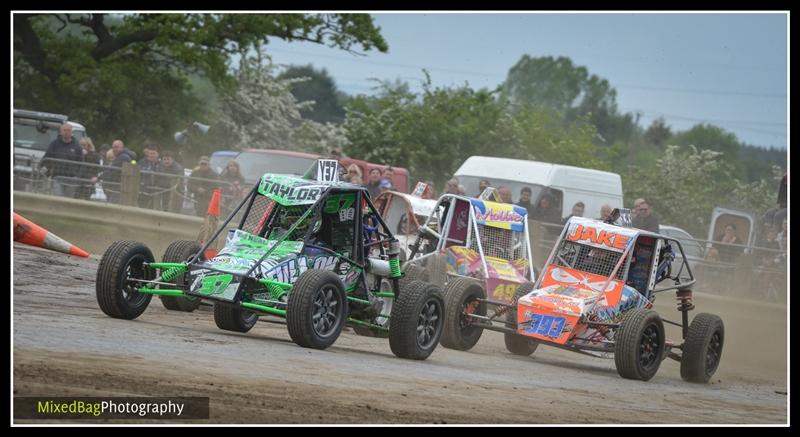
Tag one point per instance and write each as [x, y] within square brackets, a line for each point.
[566, 184]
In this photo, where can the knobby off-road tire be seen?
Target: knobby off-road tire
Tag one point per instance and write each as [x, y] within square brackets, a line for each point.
[519, 344]
[459, 294]
[180, 251]
[116, 297]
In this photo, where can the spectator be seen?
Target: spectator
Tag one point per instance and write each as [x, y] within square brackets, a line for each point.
[605, 211]
[644, 218]
[546, 210]
[202, 189]
[169, 183]
[727, 253]
[452, 186]
[505, 194]
[771, 248]
[482, 185]
[233, 190]
[783, 236]
[385, 185]
[388, 173]
[352, 171]
[149, 188]
[461, 190]
[577, 211]
[525, 199]
[712, 256]
[356, 179]
[373, 184]
[111, 177]
[64, 147]
[103, 152]
[90, 156]
[636, 204]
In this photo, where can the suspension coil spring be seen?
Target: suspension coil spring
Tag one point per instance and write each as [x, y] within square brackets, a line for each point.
[684, 298]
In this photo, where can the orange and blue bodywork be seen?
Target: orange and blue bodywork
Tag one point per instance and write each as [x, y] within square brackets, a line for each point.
[566, 298]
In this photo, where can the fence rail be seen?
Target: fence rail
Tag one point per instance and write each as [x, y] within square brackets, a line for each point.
[126, 185]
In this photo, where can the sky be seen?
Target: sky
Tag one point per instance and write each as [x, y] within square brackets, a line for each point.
[728, 69]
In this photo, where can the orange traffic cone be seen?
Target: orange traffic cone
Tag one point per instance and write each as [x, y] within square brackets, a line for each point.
[28, 232]
[210, 224]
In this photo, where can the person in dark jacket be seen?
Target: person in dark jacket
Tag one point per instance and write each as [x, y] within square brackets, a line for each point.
[174, 183]
[63, 175]
[644, 218]
[149, 191]
[202, 189]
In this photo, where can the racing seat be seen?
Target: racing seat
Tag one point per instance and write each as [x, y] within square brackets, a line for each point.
[639, 273]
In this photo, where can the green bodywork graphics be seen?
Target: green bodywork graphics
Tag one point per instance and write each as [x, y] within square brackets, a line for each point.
[288, 190]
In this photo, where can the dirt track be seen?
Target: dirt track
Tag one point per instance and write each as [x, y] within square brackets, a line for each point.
[65, 346]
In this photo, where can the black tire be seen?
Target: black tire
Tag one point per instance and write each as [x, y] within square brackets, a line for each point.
[231, 318]
[639, 344]
[458, 333]
[123, 260]
[317, 293]
[180, 251]
[437, 270]
[519, 344]
[420, 305]
[702, 349]
[413, 272]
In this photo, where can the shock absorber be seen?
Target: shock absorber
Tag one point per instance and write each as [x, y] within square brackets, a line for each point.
[685, 304]
[394, 266]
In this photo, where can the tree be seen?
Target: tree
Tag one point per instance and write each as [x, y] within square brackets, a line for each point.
[708, 136]
[262, 113]
[658, 132]
[319, 88]
[688, 183]
[433, 132]
[557, 84]
[126, 74]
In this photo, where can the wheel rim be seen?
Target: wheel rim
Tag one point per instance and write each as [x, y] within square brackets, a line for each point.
[650, 347]
[134, 269]
[326, 317]
[429, 323]
[713, 353]
[471, 306]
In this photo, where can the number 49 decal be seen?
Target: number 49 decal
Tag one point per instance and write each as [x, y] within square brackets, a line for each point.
[550, 326]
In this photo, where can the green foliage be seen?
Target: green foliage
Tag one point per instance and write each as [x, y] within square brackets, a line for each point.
[707, 136]
[125, 75]
[434, 132]
[557, 84]
[687, 184]
[319, 88]
[262, 113]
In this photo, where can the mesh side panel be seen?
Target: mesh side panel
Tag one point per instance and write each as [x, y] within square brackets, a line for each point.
[258, 215]
[589, 259]
[500, 243]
